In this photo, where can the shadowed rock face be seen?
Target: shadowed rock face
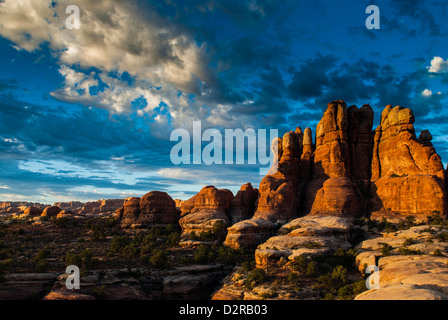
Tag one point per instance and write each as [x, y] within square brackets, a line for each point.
[154, 208]
[280, 191]
[243, 205]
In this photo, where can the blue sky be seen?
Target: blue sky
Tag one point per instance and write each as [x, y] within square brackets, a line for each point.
[87, 114]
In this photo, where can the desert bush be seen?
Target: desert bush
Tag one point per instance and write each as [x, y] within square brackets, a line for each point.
[172, 240]
[299, 264]
[408, 242]
[203, 254]
[442, 236]
[83, 260]
[407, 251]
[293, 278]
[256, 276]
[158, 258]
[40, 260]
[312, 245]
[118, 243]
[100, 293]
[248, 266]
[310, 269]
[385, 249]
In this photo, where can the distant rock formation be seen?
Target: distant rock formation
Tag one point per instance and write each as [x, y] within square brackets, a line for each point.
[33, 211]
[153, 209]
[73, 206]
[52, 211]
[10, 207]
[110, 205]
[205, 210]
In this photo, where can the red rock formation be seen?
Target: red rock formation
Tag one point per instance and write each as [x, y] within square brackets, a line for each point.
[280, 192]
[71, 205]
[33, 211]
[130, 211]
[187, 206]
[210, 207]
[154, 208]
[110, 205]
[340, 135]
[407, 173]
[210, 198]
[52, 211]
[89, 207]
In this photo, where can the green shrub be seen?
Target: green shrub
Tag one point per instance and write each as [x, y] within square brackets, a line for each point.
[310, 270]
[407, 251]
[173, 239]
[203, 254]
[112, 222]
[158, 258]
[97, 234]
[293, 278]
[256, 276]
[299, 264]
[339, 275]
[131, 251]
[442, 236]
[248, 266]
[100, 293]
[312, 245]
[72, 259]
[385, 249]
[118, 243]
[408, 242]
[84, 260]
[40, 260]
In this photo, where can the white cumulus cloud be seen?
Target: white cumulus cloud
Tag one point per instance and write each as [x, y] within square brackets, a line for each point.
[438, 65]
[427, 93]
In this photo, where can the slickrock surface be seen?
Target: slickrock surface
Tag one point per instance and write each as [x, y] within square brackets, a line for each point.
[308, 236]
[415, 267]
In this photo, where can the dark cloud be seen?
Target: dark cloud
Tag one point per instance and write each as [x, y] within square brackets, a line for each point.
[418, 17]
[309, 81]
